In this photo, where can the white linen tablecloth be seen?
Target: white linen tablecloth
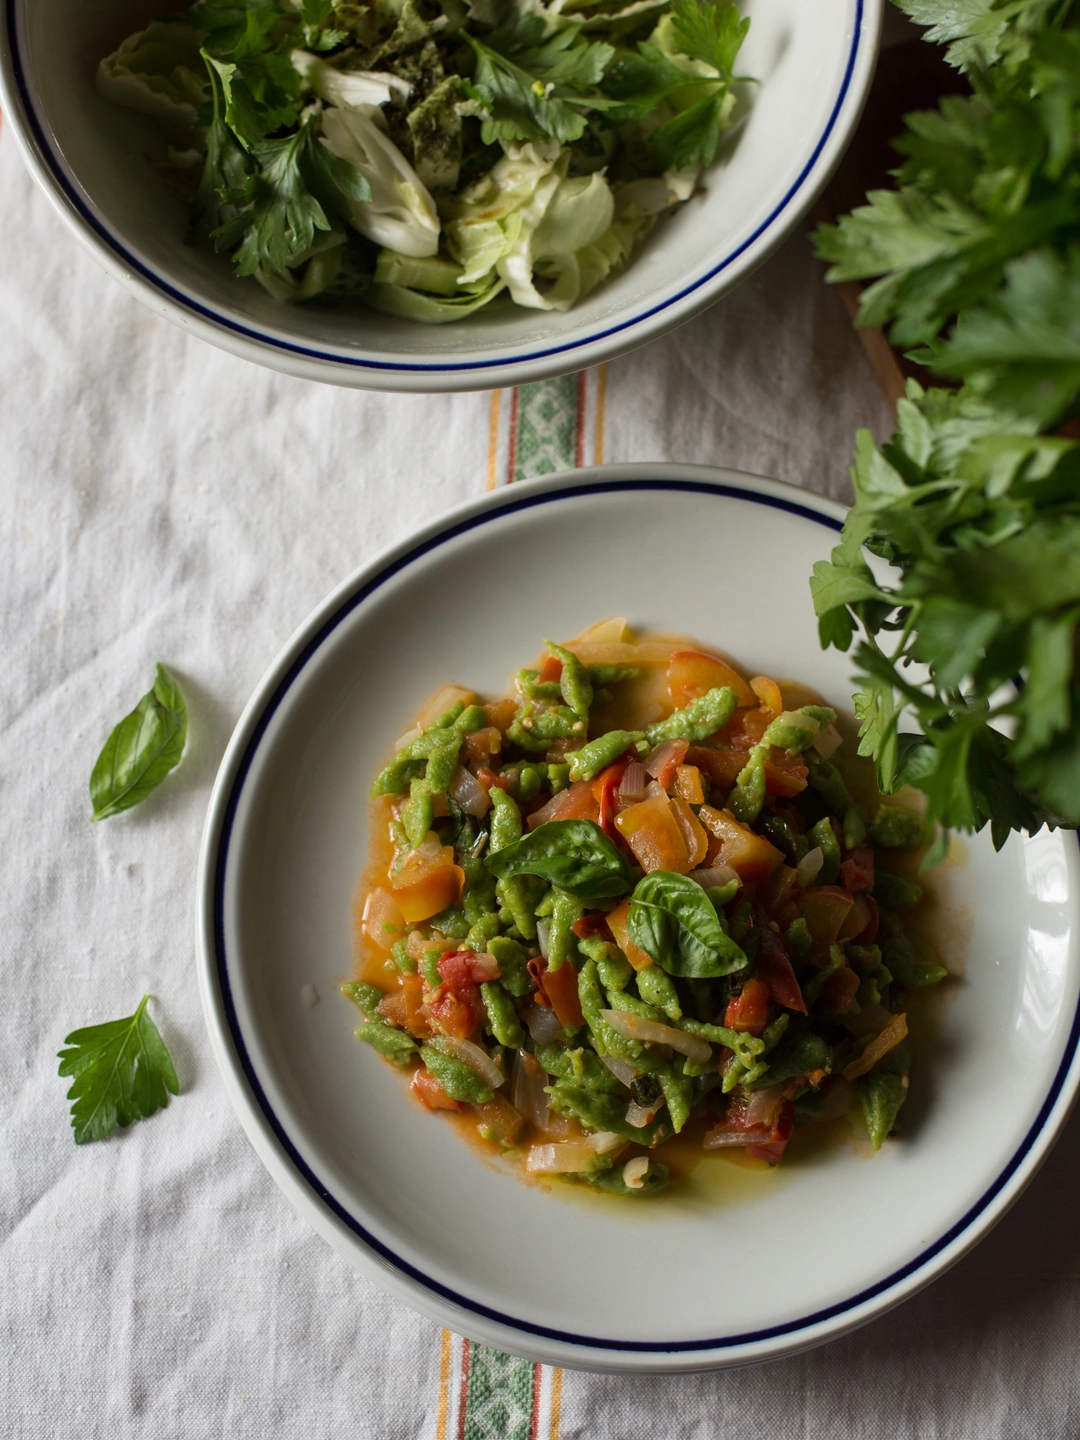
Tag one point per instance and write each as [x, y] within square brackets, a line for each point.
[161, 500]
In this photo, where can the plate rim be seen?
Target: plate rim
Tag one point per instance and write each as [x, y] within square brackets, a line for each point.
[329, 1216]
[214, 325]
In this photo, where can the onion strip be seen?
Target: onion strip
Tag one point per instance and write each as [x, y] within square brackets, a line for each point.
[634, 1027]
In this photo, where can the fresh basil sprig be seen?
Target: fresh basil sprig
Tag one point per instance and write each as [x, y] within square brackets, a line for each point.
[141, 750]
[575, 855]
[673, 920]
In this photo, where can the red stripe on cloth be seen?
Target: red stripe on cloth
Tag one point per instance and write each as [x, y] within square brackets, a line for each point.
[463, 1407]
[534, 1420]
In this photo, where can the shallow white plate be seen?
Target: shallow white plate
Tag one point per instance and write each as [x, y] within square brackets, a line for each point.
[814, 59]
[735, 1267]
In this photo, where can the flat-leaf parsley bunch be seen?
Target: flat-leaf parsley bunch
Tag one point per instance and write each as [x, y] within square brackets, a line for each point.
[975, 502]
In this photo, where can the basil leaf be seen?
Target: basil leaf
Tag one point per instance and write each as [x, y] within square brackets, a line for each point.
[575, 855]
[673, 920]
[141, 751]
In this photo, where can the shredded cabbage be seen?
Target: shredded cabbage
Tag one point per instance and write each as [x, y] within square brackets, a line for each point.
[160, 72]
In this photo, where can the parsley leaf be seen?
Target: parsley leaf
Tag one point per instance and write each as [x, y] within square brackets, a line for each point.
[297, 186]
[122, 1072]
[532, 88]
[713, 33]
[141, 750]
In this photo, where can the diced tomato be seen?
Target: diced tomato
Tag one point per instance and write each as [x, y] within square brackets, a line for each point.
[488, 779]
[694, 836]
[720, 767]
[594, 924]
[869, 933]
[825, 908]
[617, 923]
[784, 775]
[776, 891]
[749, 855]
[430, 1093]
[687, 785]
[498, 1120]
[765, 1142]
[479, 744]
[604, 788]
[773, 1149]
[412, 990]
[551, 670]
[662, 763]
[576, 802]
[456, 1012]
[392, 1008]
[536, 967]
[857, 871]
[839, 990]
[691, 674]
[460, 968]
[748, 1012]
[859, 918]
[654, 835]
[768, 692]
[774, 968]
[427, 886]
[500, 713]
[773, 1152]
[560, 990]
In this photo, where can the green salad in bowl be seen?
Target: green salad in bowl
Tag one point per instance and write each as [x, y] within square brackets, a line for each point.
[634, 900]
[429, 157]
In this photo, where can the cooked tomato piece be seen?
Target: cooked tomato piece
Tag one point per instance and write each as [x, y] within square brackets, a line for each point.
[692, 673]
[488, 778]
[839, 990]
[559, 990]
[774, 968]
[750, 855]
[857, 871]
[430, 1093]
[785, 777]
[594, 924]
[662, 763]
[748, 1012]
[604, 789]
[456, 1012]
[459, 968]
[551, 670]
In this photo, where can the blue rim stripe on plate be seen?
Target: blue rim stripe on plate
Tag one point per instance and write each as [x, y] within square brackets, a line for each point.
[48, 154]
[347, 606]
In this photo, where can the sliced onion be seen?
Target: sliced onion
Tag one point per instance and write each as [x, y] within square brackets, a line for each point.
[713, 875]
[640, 1115]
[416, 947]
[764, 1106]
[546, 812]
[487, 963]
[809, 867]
[476, 1059]
[653, 789]
[621, 1069]
[826, 741]
[527, 1081]
[634, 1172]
[543, 936]
[632, 785]
[604, 1141]
[569, 1158]
[542, 1024]
[407, 738]
[469, 793]
[721, 1139]
[383, 921]
[657, 761]
[634, 1027]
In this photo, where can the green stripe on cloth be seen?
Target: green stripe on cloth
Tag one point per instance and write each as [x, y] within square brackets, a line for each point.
[500, 1399]
[545, 424]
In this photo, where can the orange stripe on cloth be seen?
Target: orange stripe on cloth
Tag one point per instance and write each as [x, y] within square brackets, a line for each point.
[493, 439]
[556, 1404]
[598, 459]
[444, 1386]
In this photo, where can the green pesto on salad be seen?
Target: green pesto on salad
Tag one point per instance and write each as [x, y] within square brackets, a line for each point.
[637, 899]
[429, 157]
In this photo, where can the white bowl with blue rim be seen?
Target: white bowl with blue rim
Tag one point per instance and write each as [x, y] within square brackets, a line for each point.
[729, 1267]
[95, 162]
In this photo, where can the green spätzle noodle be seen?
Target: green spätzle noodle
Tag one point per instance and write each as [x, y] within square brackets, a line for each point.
[574, 682]
[520, 895]
[700, 719]
[597, 755]
[678, 1091]
[395, 1045]
[418, 812]
[458, 1079]
[854, 827]
[483, 932]
[502, 1017]
[896, 829]
[748, 796]
[656, 987]
[566, 911]
[823, 835]
[505, 820]
[513, 959]
[365, 997]
[592, 1000]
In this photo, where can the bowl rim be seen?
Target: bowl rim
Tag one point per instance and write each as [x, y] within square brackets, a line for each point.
[329, 1216]
[219, 328]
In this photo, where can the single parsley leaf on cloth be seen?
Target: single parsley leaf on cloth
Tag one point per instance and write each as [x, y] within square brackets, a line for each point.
[122, 1072]
[141, 750]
